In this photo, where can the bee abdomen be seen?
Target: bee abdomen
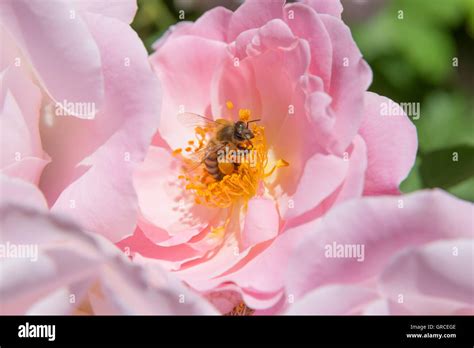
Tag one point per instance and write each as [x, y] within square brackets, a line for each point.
[211, 163]
[212, 167]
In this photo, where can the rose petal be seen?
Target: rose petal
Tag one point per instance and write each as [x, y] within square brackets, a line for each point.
[330, 7]
[261, 222]
[86, 152]
[305, 23]
[391, 146]
[185, 64]
[333, 300]
[177, 214]
[381, 227]
[432, 278]
[350, 78]
[322, 175]
[253, 14]
[70, 265]
[72, 54]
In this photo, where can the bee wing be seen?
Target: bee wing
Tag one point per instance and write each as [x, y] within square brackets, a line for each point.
[200, 156]
[191, 120]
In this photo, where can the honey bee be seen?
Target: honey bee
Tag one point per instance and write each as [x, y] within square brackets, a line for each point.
[225, 133]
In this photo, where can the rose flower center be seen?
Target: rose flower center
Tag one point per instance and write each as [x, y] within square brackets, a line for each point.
[240, 169]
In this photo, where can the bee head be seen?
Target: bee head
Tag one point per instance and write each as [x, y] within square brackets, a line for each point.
[242, 131]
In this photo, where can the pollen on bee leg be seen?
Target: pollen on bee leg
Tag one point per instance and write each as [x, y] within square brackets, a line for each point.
[226, 167]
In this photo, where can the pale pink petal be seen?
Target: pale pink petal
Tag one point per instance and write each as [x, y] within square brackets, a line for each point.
[178, 29]
[144, 288]
[253, 14]
[29, 168]
[433, 279]
[121, 9]
[212, 25]
[185, 67]
[305, 23]
[27, 96]
[354, 182]
[267, 259]
[333, 300]
[235, 84]
[352, 186]
[382, 226]
[22, 154]
[391, 146]
[377, 307]
[321, 177]
[350, 78]
[66, 265]
[60, 260]
[86, 153]
[176, 214]
[15, 140]
[261, 222]
[200, 275]
[330, 7]
[17, 192]
[72, 54]
[10, 53]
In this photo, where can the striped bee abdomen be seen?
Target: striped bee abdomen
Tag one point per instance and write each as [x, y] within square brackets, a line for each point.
[212, 166]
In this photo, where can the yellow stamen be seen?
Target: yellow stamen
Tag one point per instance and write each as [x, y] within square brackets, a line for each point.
[280, 163]
[244, 115]
[177, 151]
[240, 182]
[229, 105]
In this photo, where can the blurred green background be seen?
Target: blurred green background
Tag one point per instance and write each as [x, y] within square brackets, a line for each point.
[413, 56]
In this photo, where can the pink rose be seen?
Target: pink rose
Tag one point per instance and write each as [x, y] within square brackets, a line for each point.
[79, 106]
[312, 223]
[321, 141]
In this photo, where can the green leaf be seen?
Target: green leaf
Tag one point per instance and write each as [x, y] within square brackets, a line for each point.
[464, 190]
[446, 120]
[447, 167]
[429, 49]
[437, 12]
[375, 38]
[469, 5]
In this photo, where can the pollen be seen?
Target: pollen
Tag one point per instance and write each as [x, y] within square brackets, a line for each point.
[244, 114]
[229, 105]
[177, 151]
[240, 310]
[239, 183]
